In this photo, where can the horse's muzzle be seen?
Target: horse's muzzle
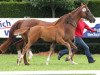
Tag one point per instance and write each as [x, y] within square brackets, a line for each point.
[92, 20]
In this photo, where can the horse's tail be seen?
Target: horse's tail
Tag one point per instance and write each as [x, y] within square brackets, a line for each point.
[7, 43]
[21, 31]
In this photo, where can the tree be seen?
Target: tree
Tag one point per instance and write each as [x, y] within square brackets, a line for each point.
[53, 4]
[78, 2]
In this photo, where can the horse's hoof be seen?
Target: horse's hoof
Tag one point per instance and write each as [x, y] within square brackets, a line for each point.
[18, 62]
[0, 52]
[28, 60]
[47, 63]
[66, 59]
[73, 63]
[27, 64]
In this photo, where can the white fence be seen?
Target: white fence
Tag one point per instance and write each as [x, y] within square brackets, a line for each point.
[67, 72]
[6, 23]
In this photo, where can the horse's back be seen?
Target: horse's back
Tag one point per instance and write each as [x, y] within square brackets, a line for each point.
[35, 30]
[34, 22]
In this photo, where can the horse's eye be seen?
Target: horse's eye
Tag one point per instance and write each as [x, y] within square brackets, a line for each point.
[87, 10]
[84, 9]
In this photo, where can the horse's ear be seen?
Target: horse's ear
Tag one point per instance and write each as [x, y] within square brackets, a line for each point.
[83, 4]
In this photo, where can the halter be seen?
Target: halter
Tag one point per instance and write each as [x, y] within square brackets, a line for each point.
[70, 20]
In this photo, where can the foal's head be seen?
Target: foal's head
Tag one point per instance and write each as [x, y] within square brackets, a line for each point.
[86, 13]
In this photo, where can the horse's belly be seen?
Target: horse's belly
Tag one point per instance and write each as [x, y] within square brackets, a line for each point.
[47, 38]
[69, 36]
[48, 35]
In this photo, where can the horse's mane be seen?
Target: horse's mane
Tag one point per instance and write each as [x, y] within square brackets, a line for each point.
[75, 10]
[59, 20]
[66, 16]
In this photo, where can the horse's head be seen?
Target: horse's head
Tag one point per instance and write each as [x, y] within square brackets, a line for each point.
[86, 13]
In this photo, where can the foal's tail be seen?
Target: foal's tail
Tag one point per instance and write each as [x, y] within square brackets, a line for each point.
[9, 41]
[21, 31]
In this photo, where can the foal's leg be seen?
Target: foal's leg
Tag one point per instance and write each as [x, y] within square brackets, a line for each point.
[27, 47]
[73, 50]
[60, 40]
[23, 55]
[72, 44]
[18, 46]
[30, 54]
[25, 60]
[73, 53]
[19, 54]
[51, 52]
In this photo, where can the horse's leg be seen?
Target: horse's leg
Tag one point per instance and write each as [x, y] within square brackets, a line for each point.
[30, 39]
[19, 54]
[27, 47]
[30, 54]
[73, 50]
[72, 44]
[18, 46]
[18, 50]
[25, 60]
[60, 40]
[51, 52]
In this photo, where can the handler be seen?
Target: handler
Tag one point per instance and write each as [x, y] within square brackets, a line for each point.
[79, 42]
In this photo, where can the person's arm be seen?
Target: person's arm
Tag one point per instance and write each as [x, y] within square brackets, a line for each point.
[88, 28]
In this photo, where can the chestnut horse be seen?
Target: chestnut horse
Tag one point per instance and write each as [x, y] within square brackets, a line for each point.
[17, 25]
[62, 31]
[20, 24]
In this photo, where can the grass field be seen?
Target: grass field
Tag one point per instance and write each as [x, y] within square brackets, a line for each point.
[8, 63]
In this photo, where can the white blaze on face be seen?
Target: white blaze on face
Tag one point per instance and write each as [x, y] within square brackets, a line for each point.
[84, 9]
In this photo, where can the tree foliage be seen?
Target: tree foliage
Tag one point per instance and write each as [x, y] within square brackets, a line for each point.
[53, 4]
[78, 2]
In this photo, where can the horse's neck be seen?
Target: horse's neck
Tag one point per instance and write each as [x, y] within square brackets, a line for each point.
[76, 15]
[60, 24]
[61, 21]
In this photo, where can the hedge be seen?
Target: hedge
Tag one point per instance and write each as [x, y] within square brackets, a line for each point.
[94, 6]
[23, 9]
[16, 9]
[42, 46]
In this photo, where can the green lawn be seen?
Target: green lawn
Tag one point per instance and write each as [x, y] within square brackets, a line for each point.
[8, 63]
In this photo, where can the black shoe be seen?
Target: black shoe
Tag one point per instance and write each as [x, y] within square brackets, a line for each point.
[92, 61]
[59, 57]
